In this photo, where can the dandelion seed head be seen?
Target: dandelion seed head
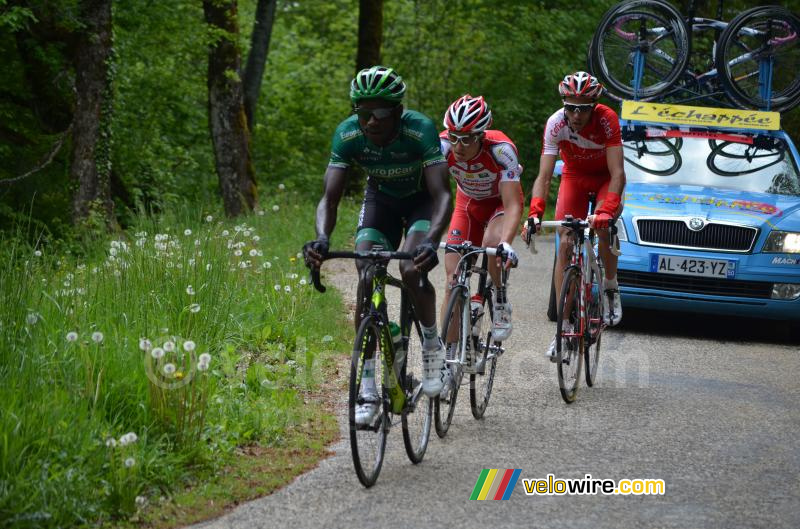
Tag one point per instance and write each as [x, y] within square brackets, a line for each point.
[209, 218]
[202, 366]
[303, 282]
[130, 462]
[72, 336]
[256, 238]
[225, 233]
[281, 187]
[111, 442]
[97, 337]
[189, 346]
[253, 252]
[277, 288]
[287, 288]
[187, 232]
[208, 267]
[237, 252]
[275, 207]
[140, 501]
[145, 344]
[32, 318]
[169, 346]
[194, 308]
[37, 253]
[157, 353]
[267, 264]
[169, 369]
[190, 290]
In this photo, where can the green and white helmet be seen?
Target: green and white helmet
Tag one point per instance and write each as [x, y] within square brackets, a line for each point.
[378, 82]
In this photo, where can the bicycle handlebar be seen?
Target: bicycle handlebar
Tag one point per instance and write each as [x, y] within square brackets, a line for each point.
[466, 247]
[373, 255]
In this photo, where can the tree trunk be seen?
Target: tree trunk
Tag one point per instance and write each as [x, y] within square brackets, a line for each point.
[259, 48]
[370, 33]
[226, 117]
[91, 132]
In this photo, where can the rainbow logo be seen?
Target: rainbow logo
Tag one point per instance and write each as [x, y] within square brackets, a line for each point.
[495, 484]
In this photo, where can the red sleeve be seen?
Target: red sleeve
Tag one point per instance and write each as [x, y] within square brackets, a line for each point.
[610, 124]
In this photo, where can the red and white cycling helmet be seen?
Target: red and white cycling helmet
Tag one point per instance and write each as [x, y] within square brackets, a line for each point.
[468, 114]
[580, 84]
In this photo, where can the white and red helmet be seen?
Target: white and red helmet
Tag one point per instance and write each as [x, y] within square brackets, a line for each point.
[468, 114]
[580, 84]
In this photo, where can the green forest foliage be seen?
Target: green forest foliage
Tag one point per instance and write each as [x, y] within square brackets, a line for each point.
[514, 53]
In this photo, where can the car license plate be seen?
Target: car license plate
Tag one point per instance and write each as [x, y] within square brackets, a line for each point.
[692, 266]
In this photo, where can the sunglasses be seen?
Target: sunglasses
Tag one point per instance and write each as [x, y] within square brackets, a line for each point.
[466, 140]
[379, 113]
[586, 107]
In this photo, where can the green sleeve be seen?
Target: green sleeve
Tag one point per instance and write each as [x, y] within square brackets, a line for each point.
[340, 154]
[431, 144]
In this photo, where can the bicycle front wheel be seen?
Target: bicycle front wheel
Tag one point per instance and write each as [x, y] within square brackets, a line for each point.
[640, 49]
[758, 59]
[418, 411]
[368, 440]
[569, 341]
[484, 357]
[457, 322]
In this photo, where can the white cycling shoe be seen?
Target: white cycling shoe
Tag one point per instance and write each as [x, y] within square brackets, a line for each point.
[434, 371]
[551, 351]
[612, 307]
[502, 327]
[368, 404]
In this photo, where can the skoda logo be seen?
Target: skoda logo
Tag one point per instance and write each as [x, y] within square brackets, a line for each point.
[696, 224]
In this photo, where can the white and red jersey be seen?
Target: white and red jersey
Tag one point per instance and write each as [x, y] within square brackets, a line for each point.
[496, 162]
[583, 152]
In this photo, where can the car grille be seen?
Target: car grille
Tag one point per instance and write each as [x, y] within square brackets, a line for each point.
[711, 237]
[695, 285]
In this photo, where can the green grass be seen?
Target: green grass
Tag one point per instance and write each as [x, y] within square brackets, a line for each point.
[241, 341]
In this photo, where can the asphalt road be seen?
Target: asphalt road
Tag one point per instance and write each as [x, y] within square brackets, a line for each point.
[707, 404]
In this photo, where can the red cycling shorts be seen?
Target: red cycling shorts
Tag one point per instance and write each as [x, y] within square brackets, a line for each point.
[471, 217]
[573, 194]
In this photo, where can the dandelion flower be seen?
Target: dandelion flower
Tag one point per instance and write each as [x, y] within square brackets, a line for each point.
[169, 346]
[253, 252]
[169, 369]
[275, 207]
[97, 337]
[246, 233]
[256, 238]
[327, 338]
[130, 462]
[287, 288]
[303, 282]
[157, 353]
[37, 253]
[112, 251]
[260, 212]
[145, 344]
[299, 255]
[202, 366]
[188, 346]
[237, 252]
[281, 187]
[111, 442]
[208, 267]
[128, 438]
[267, 264]
[140, 501]
[225, 233]
[190, 290]
[194, 308]
[72, 336]
[32, 318]
[187, 232]
[209, 218]
[277, 288]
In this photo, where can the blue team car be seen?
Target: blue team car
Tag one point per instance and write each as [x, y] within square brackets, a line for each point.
[712, 212]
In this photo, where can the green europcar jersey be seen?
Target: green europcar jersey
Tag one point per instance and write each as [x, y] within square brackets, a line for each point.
[397, 168]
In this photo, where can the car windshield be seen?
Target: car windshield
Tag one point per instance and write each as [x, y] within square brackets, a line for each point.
[761, 164]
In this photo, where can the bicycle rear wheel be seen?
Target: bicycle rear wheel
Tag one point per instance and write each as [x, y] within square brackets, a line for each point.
[758, 59]
[455, 316]
[569, 345]
[594, 327]
[418, 411]
[368, 442]
[484, 359]
[640, 49]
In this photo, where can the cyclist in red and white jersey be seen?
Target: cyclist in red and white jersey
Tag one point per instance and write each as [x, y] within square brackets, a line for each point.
[489, 195]
[587, 135]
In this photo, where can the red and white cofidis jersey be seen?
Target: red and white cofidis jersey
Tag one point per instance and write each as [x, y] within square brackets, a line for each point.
[496, 162]
[583, 152]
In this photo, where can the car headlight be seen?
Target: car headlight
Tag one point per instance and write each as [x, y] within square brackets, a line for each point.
[782, 242]
[621, 233]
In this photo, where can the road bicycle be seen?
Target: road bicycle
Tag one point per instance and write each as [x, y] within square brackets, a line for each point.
[580, 305]
[641, 50]
[398, 368]
[468, 324]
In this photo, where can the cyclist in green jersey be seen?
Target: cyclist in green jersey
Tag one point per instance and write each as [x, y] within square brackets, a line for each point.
[407, 193]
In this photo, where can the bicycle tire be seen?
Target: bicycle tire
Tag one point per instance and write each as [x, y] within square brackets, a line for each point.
[552, 309]
[569, 350]
[368, 445]
[416, 420]
[718, 150]
[594, 328]
[672, 150]
[443, 411]
[480, 383]
[769, 32]
[649, 30]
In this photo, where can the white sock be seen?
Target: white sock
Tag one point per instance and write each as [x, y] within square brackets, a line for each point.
[612, 284]
[430, 337]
